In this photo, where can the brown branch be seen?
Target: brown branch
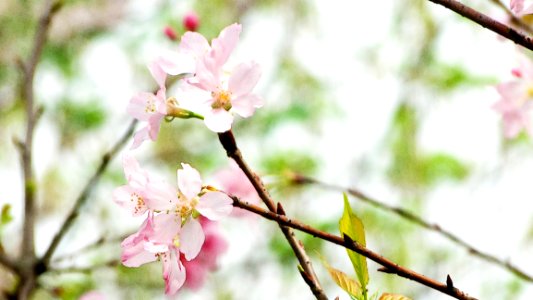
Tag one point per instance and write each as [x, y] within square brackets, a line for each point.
[389, 266]
[228, 142]
[82, 198]
[27, 258]
[301, 179]
[487, 22]
[8, 263]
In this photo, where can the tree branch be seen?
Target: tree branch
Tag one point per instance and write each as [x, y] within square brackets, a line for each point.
[487, 22]
[389, 266]
[301, 179]
[27, 257]
[8, 263]
[228, 142]
[82, 198]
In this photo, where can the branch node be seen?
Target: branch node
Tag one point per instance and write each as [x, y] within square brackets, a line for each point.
[449, 282]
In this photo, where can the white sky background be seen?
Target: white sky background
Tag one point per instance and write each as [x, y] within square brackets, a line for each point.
[491, 210]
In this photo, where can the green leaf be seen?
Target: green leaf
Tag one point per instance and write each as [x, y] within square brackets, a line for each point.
[6, 216]
[387, 296]
[352, 226]
[352, 287]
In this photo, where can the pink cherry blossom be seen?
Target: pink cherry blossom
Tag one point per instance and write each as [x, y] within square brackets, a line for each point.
[149, 108]
[161, 238]
[515, 104]
[233, 181]
[132, 195]
[152, 108]
[223, 96]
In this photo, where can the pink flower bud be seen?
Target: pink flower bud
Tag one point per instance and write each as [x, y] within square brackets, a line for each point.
[517, 73]
[191, 21]
[170, 33]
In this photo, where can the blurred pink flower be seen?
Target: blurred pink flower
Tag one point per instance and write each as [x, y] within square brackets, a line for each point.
[515, 103]
[206, 261]
[517, 7]
[92, 295]
[233, 181]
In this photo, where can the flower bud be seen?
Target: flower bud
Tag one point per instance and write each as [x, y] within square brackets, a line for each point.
[191, 21]
[170, 33]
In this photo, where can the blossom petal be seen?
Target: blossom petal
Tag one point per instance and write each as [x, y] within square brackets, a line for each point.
[191, 238]
[141, 106]
[176, 63]
[134, 253]
[189, 181]
[244, 78]
[130, 199]
[173, 272]
[166, 228]
[245, 105]
[136, 176]
[161, 196]
[218, 120]
[517, 6]
[194, 43]
[157, 72]
[223, 45]
[214, 205]
[140, 136]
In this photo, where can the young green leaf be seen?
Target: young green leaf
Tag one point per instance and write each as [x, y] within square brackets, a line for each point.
[349, 285]
[6, 216]
[387, 296]
[352, 226]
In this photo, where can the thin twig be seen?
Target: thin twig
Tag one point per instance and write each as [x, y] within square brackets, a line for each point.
[88, 269]
[228, 142]
[82, 198]
[487, 22]
[27, 255]
[103, 241]
[28, 246]
[389, 266]
[301, 179]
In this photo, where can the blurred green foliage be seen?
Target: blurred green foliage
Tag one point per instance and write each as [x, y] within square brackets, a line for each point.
[75, 119]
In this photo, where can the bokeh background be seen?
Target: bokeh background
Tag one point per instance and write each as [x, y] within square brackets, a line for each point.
[391, 97]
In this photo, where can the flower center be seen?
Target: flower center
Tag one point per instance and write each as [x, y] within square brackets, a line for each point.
[222, 99]
[150, 105]
[139, 202]
[185, 207]
[176, 241]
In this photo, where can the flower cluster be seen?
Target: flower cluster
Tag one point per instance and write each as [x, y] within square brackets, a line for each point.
[515, 104]
[171, 231]
[205, 84]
